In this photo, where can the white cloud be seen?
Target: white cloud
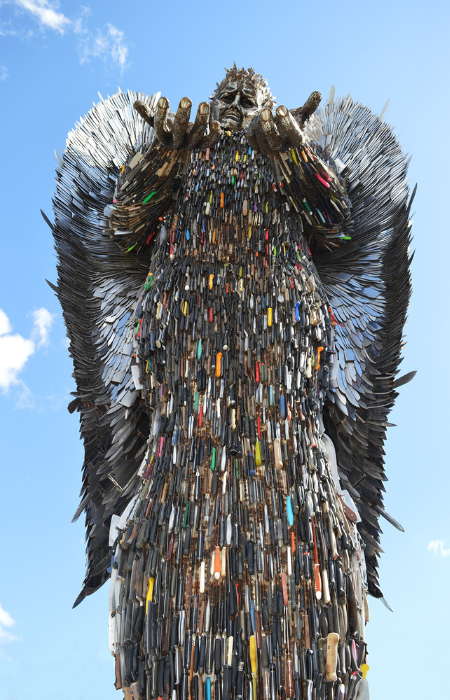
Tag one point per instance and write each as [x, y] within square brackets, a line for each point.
[107, 43]
[16, 350]
[6, 621]
[437, 546]
[5, 326]
[5, 618]
[14, 353]
[46, 13]
[4, 72]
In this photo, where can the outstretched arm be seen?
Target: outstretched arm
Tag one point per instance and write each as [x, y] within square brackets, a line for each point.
[270, 135]
[175, 131]
[149, 180]
[311, 183]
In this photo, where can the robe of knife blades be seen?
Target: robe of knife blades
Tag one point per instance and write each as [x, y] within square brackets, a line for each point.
[179, 462]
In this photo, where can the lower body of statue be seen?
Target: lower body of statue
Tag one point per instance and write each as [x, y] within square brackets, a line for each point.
[239, 574]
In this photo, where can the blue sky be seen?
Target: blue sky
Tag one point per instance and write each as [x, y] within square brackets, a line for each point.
[54, 58]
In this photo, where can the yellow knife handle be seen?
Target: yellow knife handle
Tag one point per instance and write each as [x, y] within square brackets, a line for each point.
[253, 654]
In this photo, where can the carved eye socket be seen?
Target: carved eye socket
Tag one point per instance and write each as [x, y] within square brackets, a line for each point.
[248, 102]
[228, 97]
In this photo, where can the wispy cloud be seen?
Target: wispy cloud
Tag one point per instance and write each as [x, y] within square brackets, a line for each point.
[6, 621]
[107, 43]
[42, 323]
[15, 351]
[9, 28]
[4, 72]
[46, 13]
[57, 401]
[437, 546]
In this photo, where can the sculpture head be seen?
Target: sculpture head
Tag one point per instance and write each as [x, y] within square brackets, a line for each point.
[240, 95]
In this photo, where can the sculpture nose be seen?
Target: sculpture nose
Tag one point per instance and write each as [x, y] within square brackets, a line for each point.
[237, 101]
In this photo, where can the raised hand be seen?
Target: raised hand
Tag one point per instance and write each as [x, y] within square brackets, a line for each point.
[269, 134]
[175, 130]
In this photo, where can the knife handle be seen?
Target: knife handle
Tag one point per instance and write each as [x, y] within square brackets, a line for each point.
[330, 668]
[317, 581]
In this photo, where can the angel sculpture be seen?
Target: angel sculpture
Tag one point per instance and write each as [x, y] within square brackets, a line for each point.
[234, 290]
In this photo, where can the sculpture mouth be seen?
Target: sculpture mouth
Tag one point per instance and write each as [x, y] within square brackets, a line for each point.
[231, 118]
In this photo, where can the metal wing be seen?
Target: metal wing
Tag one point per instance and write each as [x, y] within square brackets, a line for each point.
[367, 282]
[98, 287]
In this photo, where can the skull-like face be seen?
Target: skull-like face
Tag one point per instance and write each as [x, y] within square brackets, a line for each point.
[236, 101]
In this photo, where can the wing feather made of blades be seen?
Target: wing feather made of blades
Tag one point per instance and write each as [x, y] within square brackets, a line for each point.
[367, 283]
[98, 287]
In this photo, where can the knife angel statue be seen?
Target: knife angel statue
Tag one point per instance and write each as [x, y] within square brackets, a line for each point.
[234, 290]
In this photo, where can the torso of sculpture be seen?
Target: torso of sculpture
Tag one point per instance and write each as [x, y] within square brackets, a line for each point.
[237, 403]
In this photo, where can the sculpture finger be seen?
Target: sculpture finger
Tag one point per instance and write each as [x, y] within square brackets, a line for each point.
[181, 122]
[310, 106]
[161, 126]
[262, 144]
[145, 112]
[197, 130]
[212, 137]
[288, 127]
[250, 134]
[270, 131]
